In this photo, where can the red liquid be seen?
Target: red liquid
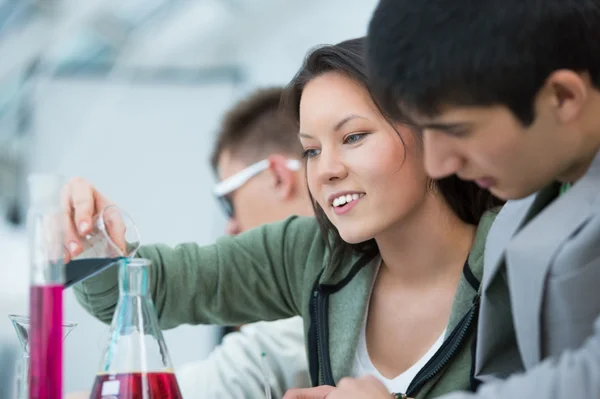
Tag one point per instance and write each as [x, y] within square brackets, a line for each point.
[136, 386]
[46, 342]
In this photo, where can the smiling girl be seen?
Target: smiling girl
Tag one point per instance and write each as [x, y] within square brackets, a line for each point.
[386, 277]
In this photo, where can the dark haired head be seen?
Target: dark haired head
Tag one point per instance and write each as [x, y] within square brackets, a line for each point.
[255, 127]
[466, 199]
[423, 55]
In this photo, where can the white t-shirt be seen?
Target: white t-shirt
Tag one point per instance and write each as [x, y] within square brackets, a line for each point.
[362, 364]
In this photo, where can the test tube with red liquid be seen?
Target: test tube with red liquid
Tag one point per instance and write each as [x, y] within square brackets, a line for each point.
[45, 228]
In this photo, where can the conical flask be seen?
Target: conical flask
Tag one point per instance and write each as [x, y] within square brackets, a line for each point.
[136, 363]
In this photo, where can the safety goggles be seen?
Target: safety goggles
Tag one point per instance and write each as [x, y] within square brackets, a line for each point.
[224, 188]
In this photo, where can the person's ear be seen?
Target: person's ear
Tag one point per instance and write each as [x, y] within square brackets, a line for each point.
[567, 92]
[284, 179]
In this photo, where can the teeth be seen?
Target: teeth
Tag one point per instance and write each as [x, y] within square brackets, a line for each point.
[344, 199]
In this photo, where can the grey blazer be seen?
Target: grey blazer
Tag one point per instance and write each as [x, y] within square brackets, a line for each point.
[539, 323]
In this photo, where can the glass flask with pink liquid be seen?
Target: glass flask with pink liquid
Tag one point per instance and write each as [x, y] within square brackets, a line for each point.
[136, 362]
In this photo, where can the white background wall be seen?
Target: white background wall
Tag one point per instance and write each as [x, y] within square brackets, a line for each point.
[146, 146]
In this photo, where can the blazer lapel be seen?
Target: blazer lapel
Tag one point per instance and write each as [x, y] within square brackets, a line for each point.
[529, 255]
[497, 354]
[506, 223]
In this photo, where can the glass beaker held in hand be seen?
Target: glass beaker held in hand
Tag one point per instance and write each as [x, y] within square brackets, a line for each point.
[136, 363]
[114, 236]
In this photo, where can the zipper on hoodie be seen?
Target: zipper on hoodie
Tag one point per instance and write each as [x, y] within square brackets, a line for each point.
[446, 352]
[317, 335]
[322, 332]
[318, 332]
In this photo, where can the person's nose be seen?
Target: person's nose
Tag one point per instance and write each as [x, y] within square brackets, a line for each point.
[330, 166]
[441, 157]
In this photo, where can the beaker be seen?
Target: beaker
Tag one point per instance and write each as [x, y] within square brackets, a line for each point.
[21, 325]
[136, 363]
[114, 236]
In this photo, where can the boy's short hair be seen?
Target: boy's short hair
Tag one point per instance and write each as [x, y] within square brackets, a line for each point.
[426, 54]
[255, 128]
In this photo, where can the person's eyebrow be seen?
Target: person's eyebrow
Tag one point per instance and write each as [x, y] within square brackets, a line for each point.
[337, 126]
[447, 127]
[345, 120]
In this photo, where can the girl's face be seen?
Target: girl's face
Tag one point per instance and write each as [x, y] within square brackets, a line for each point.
[359, 171]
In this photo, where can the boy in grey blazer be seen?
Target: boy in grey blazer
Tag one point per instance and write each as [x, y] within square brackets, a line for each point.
[507, 93]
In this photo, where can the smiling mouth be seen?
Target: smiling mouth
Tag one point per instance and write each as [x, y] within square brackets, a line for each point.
[346, 199]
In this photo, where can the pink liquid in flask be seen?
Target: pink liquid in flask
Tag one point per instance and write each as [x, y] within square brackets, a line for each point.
[154, 385]
[46, 342]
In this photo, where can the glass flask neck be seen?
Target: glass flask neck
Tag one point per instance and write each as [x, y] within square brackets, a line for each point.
[133, 277]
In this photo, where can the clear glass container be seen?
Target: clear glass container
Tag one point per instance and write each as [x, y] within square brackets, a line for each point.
[114, 236]
[45, 229]
[136, 362]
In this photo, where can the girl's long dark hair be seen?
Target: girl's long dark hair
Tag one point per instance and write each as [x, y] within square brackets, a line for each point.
[468, 201]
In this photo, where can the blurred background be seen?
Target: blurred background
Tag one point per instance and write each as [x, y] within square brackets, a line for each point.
[128, 94]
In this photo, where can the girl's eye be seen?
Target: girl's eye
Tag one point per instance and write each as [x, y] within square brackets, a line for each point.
[310, 153]
[354, 138]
